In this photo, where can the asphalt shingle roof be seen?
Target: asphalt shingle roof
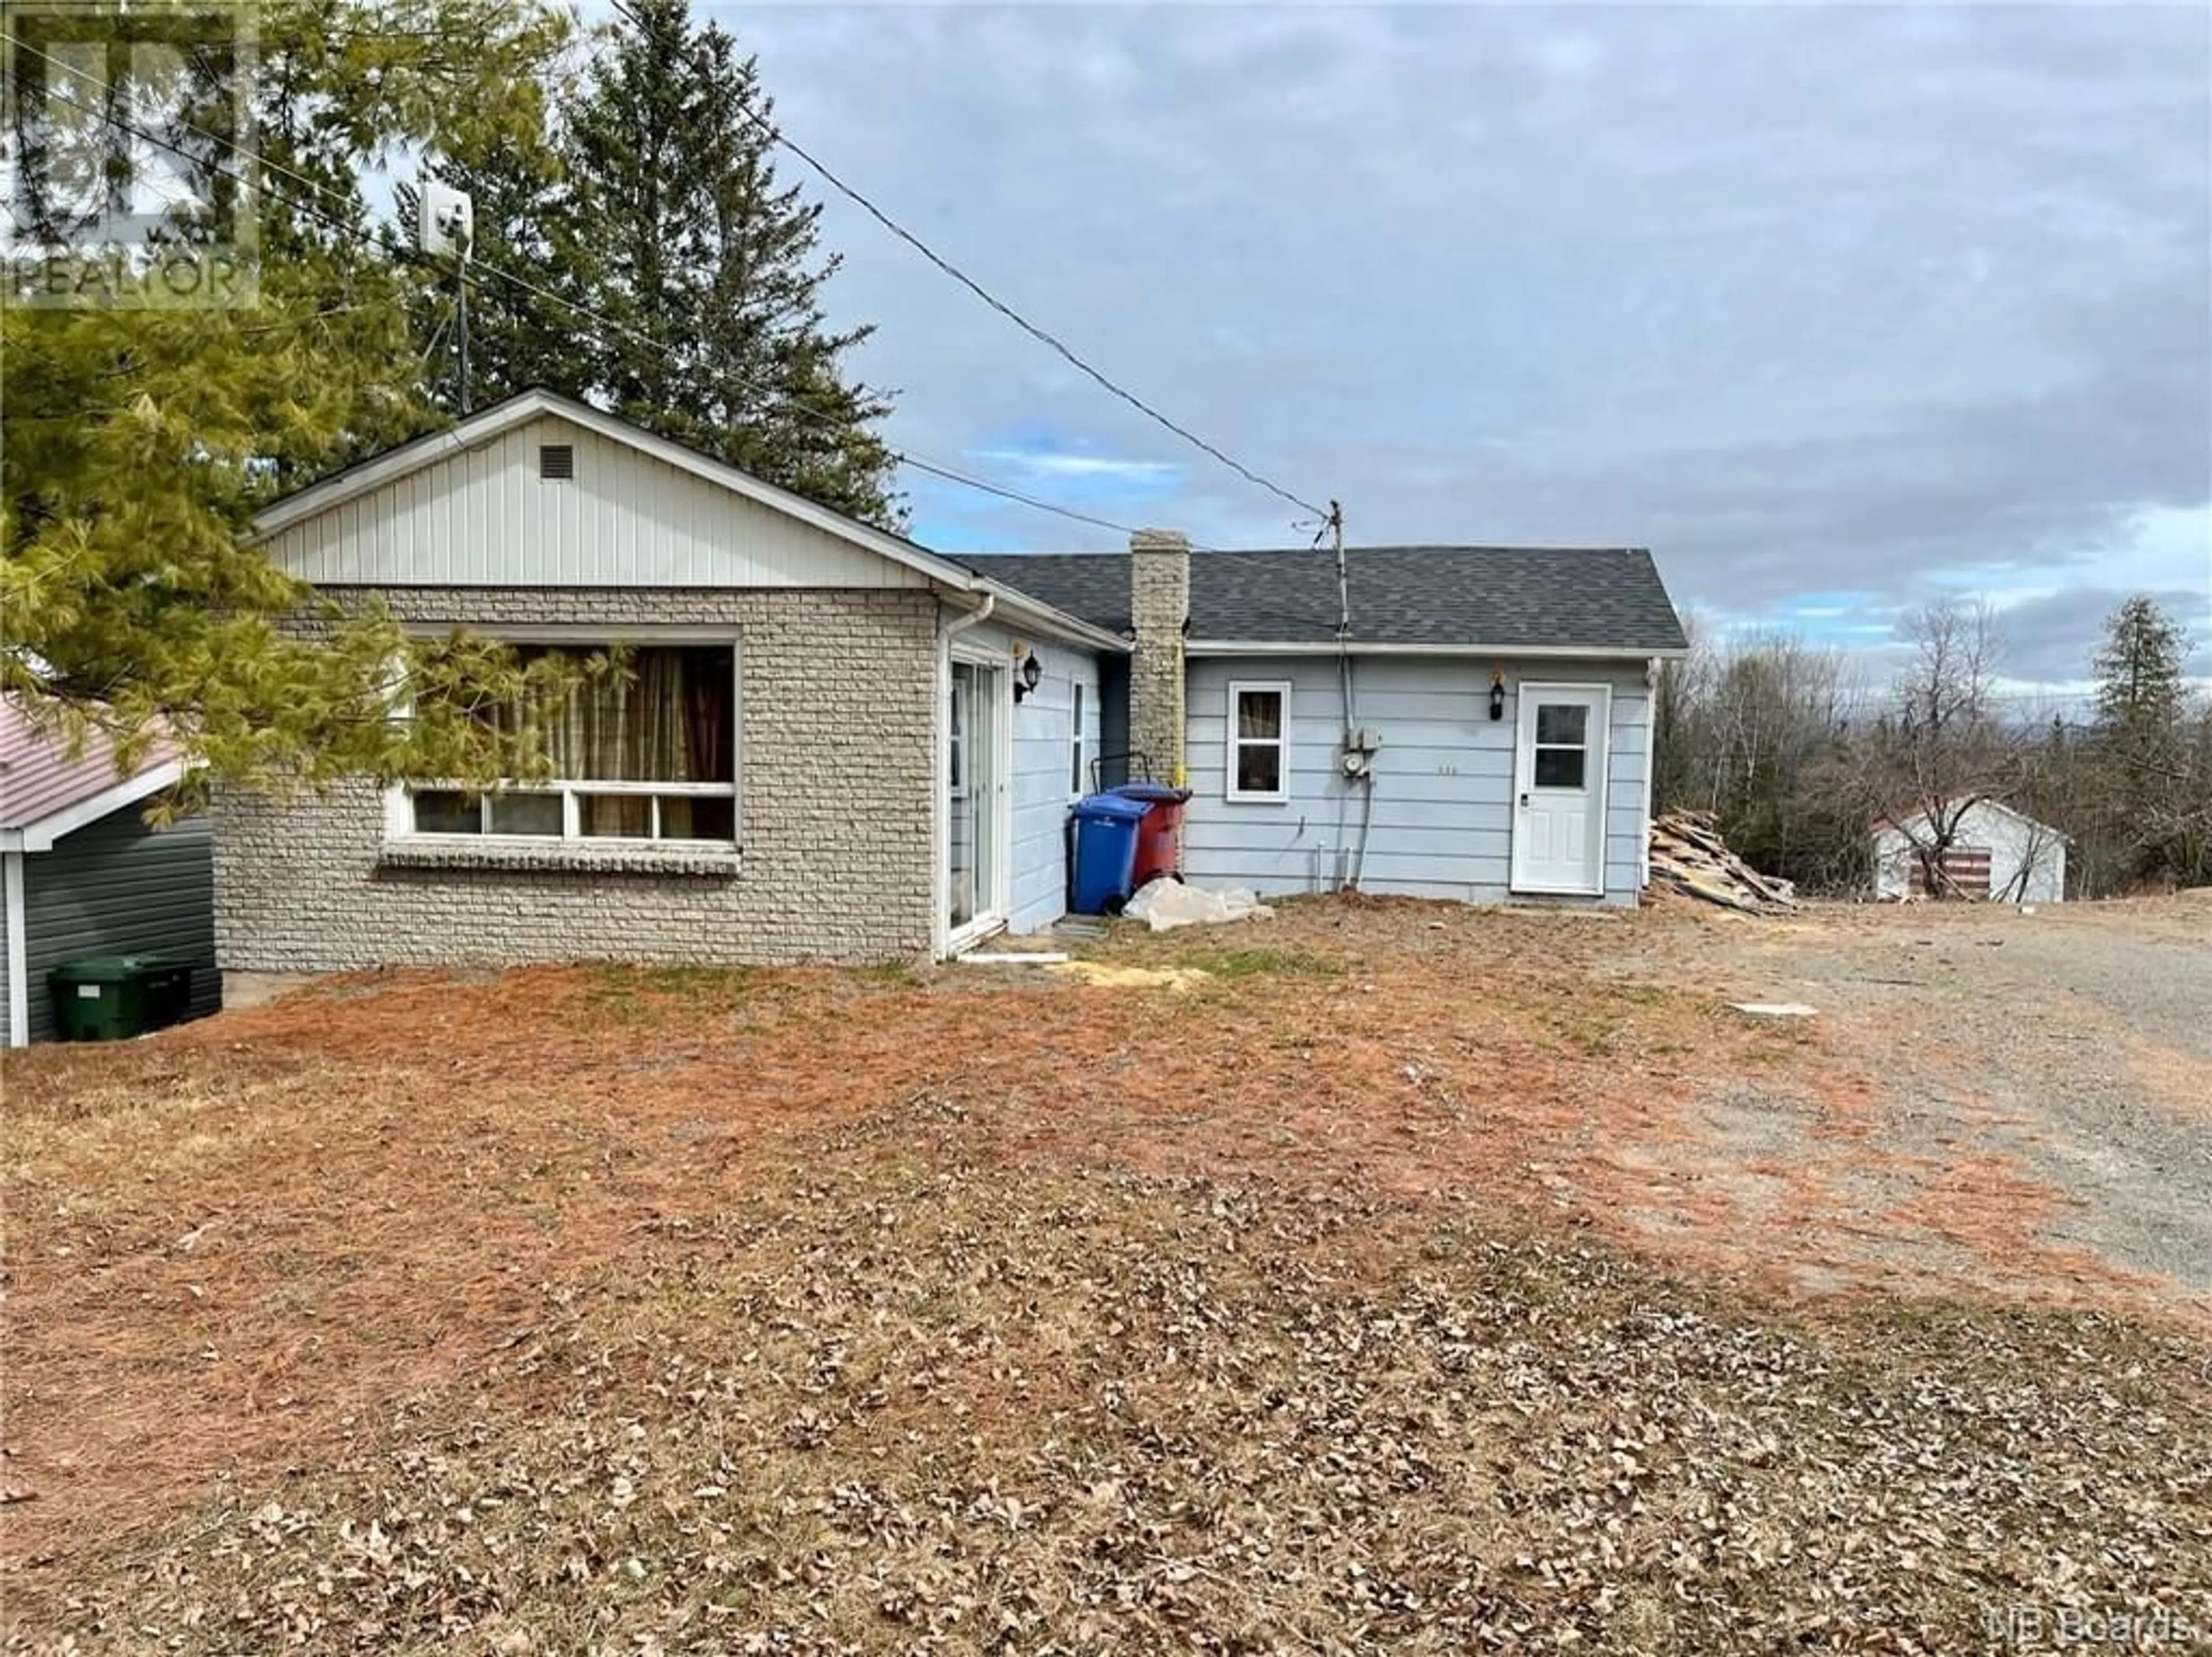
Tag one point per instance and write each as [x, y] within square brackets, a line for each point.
[1092, 587]
[1507, 596]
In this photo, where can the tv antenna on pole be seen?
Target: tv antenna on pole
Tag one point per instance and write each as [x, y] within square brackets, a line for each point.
[448, 226]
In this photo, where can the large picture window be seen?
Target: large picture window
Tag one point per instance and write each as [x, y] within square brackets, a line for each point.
[1259, 758]
[646, 753]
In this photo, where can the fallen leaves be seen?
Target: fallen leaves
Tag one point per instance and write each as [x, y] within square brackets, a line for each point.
[817, 1313]
[1060, 1411]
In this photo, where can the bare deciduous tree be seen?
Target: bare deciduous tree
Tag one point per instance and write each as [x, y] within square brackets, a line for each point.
[1796, 761]
[1741, 724]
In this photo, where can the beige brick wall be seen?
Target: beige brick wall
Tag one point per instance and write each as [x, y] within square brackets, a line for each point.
[837, 754]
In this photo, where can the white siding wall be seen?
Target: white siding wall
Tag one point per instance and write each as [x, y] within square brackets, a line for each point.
[2015, 844]
[482, 517]
[1042, 771]
[1443, 812]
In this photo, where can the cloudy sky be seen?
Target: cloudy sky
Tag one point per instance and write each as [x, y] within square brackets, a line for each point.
[1834, 309]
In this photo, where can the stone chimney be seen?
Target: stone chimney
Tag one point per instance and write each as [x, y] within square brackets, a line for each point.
[1160, 610]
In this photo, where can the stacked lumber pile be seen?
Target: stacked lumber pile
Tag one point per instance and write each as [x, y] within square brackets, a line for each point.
[1689, 857]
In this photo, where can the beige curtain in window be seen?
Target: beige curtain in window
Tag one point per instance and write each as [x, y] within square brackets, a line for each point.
[618, 726]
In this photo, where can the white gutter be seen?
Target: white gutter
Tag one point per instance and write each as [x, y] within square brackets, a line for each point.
[1046, 620]
[1218, 647]
[19, 987]
[960, 622]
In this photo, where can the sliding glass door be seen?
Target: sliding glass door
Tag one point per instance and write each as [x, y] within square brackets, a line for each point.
[974, 842]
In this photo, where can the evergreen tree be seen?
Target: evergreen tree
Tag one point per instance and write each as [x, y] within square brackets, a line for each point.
[2155, 806]
[2141, 693]
[138, 443]
[666, 219]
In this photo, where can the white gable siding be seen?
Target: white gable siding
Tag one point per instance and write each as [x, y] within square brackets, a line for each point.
[2028, 859]
[482, 517]
[1443, 812]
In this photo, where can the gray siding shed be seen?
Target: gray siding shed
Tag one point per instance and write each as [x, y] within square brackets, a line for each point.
[118, 887]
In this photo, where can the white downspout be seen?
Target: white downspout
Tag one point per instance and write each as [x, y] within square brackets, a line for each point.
[1652, 669]
[19, 987]
[959, 622]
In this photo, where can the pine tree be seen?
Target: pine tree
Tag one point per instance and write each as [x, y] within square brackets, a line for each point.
[2141, 691]
[138, 443]
[2154, 805]
[672, 222]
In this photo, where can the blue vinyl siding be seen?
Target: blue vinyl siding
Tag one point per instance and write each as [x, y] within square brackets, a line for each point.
[1442, 808]
[115, 887]
[1043, 770]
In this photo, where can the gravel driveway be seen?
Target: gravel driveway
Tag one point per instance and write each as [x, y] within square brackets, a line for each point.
[2076, 1039]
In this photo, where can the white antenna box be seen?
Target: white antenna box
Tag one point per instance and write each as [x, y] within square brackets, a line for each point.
[448, 221]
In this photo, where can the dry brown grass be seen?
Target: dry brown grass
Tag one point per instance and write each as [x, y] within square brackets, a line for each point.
[327, 1233]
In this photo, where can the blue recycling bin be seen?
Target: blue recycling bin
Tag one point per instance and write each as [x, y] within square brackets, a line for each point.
[1106, 827]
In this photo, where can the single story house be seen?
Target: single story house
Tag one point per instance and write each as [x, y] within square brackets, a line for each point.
[1468, 723]
[838, 745]
[1995, 853]
[83, 874]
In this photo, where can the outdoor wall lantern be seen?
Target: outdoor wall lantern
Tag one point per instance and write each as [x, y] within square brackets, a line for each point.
[1026, 680]
[1498, 693]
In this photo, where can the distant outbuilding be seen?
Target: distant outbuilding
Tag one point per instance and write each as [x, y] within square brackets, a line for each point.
[1996, 853]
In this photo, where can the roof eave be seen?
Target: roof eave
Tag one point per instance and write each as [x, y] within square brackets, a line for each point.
[41, 833]
[1218, 647]
[1015, 603]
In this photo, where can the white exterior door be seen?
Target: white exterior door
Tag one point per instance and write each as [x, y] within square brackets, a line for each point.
[1559, 789]
[979, 800]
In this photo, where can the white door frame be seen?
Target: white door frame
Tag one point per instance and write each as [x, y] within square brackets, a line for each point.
[994, 908]
[1600, 752]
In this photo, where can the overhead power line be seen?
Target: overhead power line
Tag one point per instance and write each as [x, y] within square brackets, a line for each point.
[476, 271]
[1043, 336]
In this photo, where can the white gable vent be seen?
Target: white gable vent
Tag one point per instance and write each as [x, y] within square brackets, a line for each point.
[556, 460]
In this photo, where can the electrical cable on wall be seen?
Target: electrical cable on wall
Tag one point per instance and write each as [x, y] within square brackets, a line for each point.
[1357, 757]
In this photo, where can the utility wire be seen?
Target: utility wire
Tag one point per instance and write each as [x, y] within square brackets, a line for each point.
[476, 271]
[1042, 336]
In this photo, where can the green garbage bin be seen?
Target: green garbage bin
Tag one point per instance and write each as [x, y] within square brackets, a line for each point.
[109, 998]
